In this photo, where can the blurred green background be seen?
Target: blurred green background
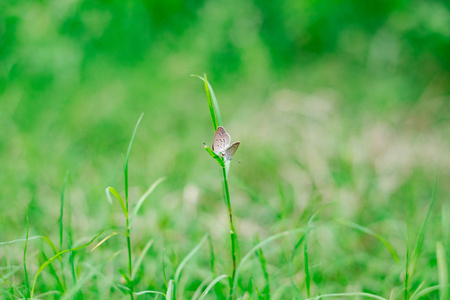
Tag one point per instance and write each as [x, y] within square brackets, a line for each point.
[344, 101]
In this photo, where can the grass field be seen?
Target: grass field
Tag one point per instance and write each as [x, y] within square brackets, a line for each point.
[339, 188]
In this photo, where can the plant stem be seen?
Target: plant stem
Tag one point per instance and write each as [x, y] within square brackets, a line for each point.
[233, 235]
[130, 265]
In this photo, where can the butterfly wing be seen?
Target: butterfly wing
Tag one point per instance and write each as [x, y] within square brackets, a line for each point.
[229, 152]
[221, 140]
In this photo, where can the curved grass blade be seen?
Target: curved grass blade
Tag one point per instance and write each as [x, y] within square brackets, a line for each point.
[368, 231]
[127, 157]
[61, 230]
[266, 241]
[148, 292]
[418, 289]
[170, 288]
[211, 285]
[305, 250]
[110, 190]
[442, 271]
[142, 199]
[199, 289]
[69, 294]
[411, 261]
[421, 237]
[260, 254]
[427, 291]
[59, 284]
[20, 240]
[214, 110]
[291, 271]
[367, 295]
[104, 240]
[218, 158]
[141, 257]
[164, 267]
[42, 267]
[27, 283]
[187, 258]
[61, 224]
[125, 276]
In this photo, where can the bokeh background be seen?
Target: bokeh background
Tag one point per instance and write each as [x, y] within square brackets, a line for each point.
[333, 101]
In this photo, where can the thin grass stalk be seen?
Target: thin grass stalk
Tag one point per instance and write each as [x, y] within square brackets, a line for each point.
[125, 171]
[233, 236]
[61, 230]
[27, 283]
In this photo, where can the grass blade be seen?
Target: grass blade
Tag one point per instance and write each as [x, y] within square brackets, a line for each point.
[110, 190]
[187, 258]
[125, 276]
[259, 245]
[262, 260]
[27, 284]
[61, 224]
[370, 232]
[61, 228]
[420, 239]
[141, 257]
[442, 271]
[218, 158]
[148, 292]
[93, 271]
[53, 273]
[305, 250]
[307, 274]
[211, 285]
[127, 157]
[199, 289]
[411, 261]
[427, 291]
[291, 271]
[164, 266]
[367, 295]
[169, 294]
[142, 199]
[42, 267]
[104, 240]
[214, 110]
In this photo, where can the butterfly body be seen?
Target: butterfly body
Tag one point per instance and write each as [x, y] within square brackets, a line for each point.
[221, 144]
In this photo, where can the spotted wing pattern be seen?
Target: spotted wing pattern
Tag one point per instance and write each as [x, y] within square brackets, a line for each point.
[221, 140]
[229, 152]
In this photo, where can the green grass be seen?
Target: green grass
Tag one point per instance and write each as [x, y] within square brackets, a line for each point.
[293, 277]
[343, 102]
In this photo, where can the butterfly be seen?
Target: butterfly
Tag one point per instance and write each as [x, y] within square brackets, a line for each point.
[221, 144]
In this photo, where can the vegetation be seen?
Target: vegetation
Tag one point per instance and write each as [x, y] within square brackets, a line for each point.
[338, 189]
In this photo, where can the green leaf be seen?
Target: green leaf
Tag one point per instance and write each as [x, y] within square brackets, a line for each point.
[142, 199]
[104, 240]
[368, 231]
[211, 285]
[141, 257]
[421, 237]
[187, 258]
[259, 245]
[45, 264]
[442, 271]
[218, 158]
[169, 293]
[27, 283]
[110, 190]
[214, 110]
[125, 276]
[127, 157]
[353, 295]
